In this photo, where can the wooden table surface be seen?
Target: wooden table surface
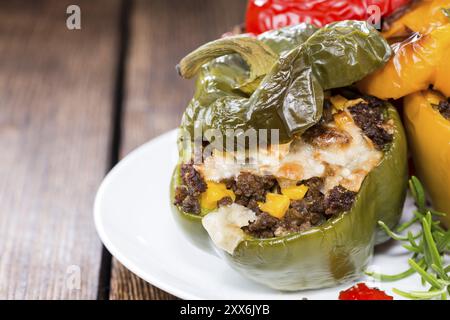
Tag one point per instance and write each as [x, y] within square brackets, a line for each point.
[73, 103]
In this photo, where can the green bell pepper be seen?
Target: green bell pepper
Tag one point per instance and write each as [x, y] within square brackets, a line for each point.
[332, 253]
[340, 249]
[277, 81]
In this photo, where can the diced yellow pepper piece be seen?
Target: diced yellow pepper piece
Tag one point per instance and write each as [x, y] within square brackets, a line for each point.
[338, 102]
[276, 205]
[342, 119]
[214, 192]
[295, 192]
[351, 103]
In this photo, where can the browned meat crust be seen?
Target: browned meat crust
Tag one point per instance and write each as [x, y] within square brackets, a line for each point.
[323, 136]
[370, 118]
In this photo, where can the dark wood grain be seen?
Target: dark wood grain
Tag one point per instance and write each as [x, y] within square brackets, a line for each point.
[56, 92]
[162, 32]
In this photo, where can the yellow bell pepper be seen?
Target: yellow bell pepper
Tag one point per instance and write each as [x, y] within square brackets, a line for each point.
[276, 205]
[424, 17]
[295, 192]
[214, 192]
[339, 103]
[429, 138]
[416, 64]
[342, 119]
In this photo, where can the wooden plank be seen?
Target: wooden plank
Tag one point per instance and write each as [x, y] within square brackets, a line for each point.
[56, 98]
[162, 32]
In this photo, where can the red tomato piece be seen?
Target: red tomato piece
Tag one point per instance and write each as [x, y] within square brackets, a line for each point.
[361, 291]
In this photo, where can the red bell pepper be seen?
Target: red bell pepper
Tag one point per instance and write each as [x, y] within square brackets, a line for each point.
[263, 15]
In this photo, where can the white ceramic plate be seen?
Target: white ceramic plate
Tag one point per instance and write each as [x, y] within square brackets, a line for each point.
[134, 220]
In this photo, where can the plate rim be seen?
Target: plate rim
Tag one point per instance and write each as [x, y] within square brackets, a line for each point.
[120, 255]
[108, 243]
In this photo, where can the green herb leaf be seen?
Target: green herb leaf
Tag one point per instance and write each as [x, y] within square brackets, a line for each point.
[431, 279]
[393, 277]
[407, 224]
[437, 213]
[440, 271]
[418, 193]
[444, 241]
[419, 294]
[412, 248]
[412, 238]
[434, 253]
[434, 241]
[394, 235]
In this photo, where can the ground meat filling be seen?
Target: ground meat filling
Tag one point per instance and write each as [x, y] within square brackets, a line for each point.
[444, 108]
[317, 206]
[339, 200]
[251, 189]
[192, 179]
[370, 118]
[225, 201]
[303, 214]
[306, 213]
[312, 210]
[188, 192]
[263, 227]
[254, 187]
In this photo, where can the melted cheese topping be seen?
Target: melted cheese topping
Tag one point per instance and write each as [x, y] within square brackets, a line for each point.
[224, 225]
[343, 158]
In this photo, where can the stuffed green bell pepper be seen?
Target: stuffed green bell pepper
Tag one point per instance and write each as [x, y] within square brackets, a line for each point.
[300, 210]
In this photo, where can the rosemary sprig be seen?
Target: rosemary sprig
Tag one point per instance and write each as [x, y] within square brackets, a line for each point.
[428, 247]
